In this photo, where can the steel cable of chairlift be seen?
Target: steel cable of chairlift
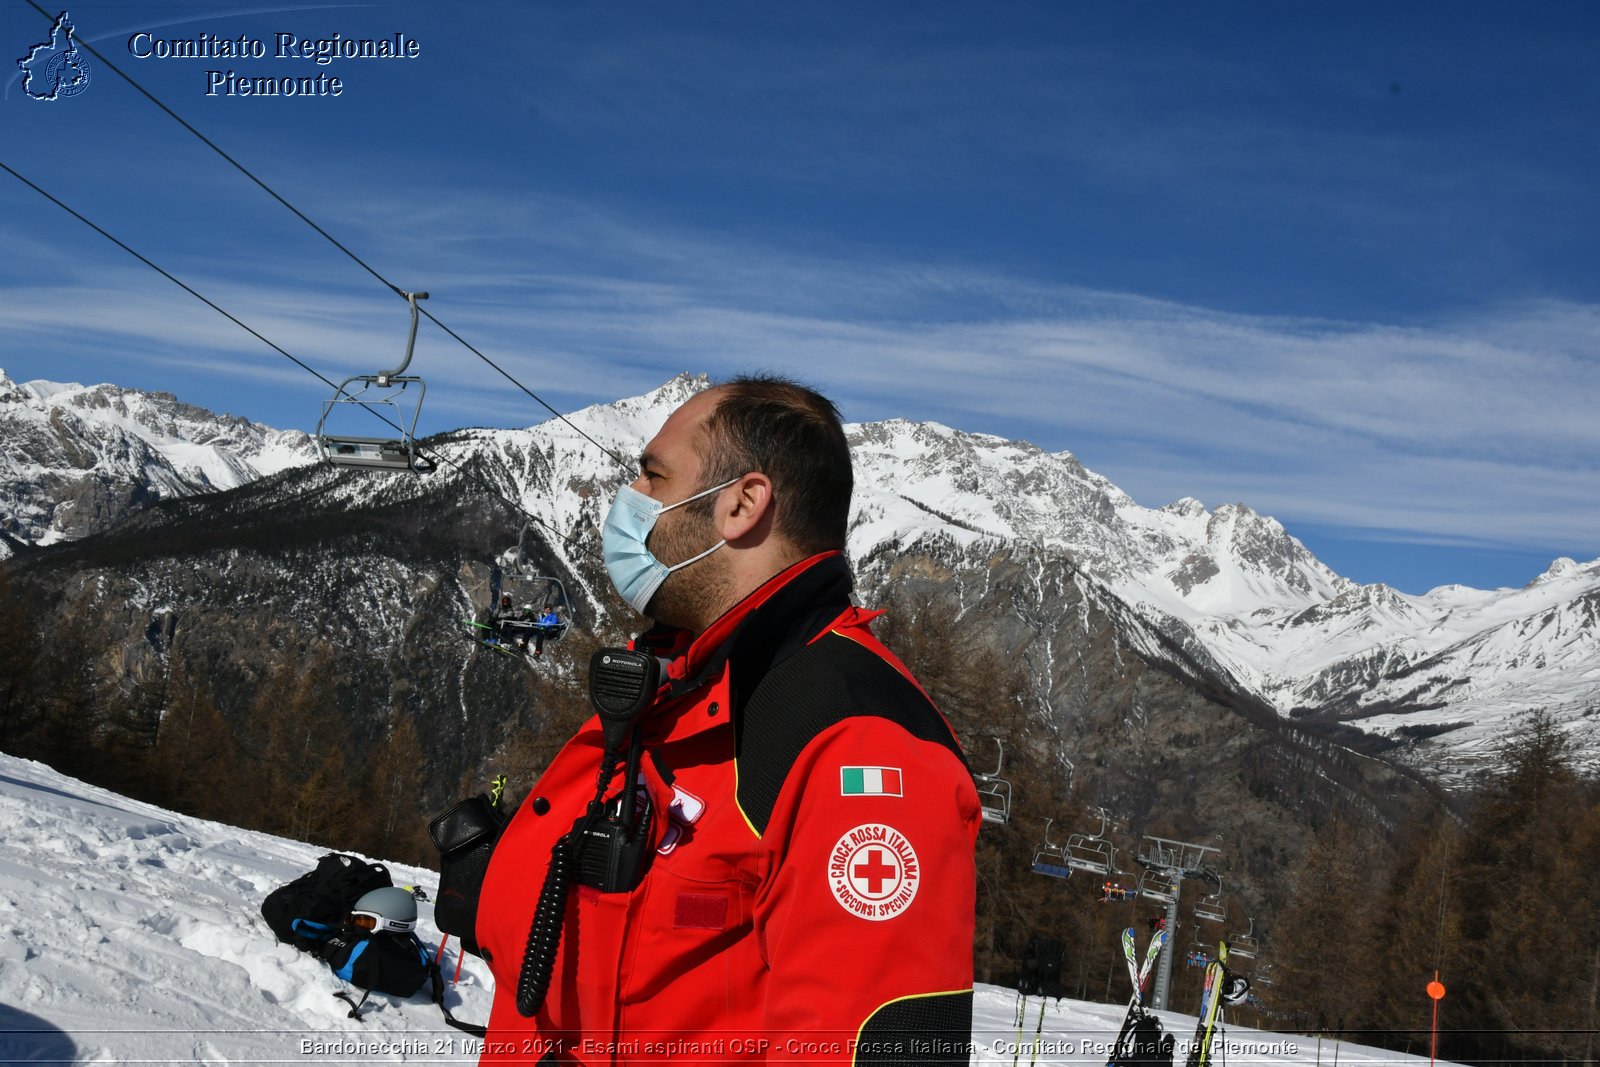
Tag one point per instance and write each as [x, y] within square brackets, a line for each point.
[467, 469]
[303, 217]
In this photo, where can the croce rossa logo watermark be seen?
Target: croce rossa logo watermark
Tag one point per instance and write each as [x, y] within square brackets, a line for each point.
[285, 63]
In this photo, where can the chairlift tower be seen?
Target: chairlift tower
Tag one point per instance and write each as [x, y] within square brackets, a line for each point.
[1167, 864]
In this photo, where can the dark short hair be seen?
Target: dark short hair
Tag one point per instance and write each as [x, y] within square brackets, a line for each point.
[793, 435]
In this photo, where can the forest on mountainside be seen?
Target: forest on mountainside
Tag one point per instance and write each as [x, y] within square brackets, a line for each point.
[1494, 890]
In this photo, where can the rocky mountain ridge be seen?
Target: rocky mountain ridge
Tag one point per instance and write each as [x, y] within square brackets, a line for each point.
[1224, 598]
[76, 460]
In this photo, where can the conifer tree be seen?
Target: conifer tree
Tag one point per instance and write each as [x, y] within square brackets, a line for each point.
[1324, 933]
[389, 821]
[1524, 891]
[1418, 931]
[197, 758]
[21, 710]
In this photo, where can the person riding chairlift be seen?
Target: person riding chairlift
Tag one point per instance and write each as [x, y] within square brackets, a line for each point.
[503, 614]
[548, 624]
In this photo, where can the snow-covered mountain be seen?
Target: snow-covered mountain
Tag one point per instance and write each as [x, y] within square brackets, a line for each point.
[1442, 672]
[134, 936]
[75, 459]
[1227, 591]
[1224, 597]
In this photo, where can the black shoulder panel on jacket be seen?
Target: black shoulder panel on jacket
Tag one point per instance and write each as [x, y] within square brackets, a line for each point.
[826, 682]
[918, 1030]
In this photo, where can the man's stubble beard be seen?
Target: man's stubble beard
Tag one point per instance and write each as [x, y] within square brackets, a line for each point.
[694, 597]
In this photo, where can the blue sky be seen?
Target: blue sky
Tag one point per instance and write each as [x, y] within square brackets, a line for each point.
[1337, 262]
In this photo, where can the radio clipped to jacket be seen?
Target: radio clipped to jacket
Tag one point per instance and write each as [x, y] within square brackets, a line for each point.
[611, 845]
[608, 847]
[613, 853]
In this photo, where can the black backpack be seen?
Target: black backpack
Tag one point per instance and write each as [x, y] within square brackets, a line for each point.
[381, 963]
[1151, 1045]
[322, 897]
[311, 913]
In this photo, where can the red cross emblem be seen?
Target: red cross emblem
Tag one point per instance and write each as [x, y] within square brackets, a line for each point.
[870, 875]
[874, 872]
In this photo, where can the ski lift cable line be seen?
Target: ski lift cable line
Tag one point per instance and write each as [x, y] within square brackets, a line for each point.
[258, 335]
[173, 279]
[303, 217]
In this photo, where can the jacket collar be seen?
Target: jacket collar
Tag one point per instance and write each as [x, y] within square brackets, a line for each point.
[777, 619]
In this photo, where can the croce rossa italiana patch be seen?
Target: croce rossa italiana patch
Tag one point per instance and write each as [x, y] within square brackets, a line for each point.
[873, 872]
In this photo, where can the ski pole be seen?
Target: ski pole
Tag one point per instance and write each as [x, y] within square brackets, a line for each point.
[1033, 1057]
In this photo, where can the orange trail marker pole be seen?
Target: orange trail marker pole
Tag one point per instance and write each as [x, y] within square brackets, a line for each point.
[1436, 994]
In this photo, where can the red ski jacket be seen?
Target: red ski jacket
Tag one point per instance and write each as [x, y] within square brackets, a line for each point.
[811, 889]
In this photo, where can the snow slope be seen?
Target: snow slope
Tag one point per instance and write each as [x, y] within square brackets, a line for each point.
[133, 935]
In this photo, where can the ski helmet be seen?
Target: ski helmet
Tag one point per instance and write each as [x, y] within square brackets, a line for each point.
[387, 910]
[1236, 989]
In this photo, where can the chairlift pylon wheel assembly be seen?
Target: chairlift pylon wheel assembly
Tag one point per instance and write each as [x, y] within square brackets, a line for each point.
[378, 392]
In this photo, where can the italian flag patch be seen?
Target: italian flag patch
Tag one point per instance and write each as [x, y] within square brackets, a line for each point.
[869, 782]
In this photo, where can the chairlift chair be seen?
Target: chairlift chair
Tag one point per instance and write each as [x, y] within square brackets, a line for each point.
[1159, 886]
[1093, 852]
[994, 792]
[379, 392]
[1049, 858]
[528, 585]
[545, 596]
[1211, 910]
[1245, 945]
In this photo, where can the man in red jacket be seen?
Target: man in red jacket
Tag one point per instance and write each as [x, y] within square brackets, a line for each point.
[807, 891]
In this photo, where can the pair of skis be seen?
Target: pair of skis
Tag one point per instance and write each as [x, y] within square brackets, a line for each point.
[1138, 975]
[1210, 1020]
[492, 639]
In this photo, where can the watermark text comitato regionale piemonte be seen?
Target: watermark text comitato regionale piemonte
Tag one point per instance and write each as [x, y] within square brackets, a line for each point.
[284, 46]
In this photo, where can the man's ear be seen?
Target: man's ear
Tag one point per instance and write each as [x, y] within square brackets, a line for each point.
[750, 508]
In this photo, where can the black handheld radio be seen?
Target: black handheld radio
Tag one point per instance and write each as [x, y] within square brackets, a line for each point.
[608, 847]
[612, 850]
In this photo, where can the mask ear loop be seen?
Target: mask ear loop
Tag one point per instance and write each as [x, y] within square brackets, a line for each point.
[696, 559]
[690, 500]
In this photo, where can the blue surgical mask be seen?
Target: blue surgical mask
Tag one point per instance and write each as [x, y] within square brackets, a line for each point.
[634, 569]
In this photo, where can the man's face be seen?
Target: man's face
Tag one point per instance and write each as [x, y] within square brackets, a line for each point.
[670, 470]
